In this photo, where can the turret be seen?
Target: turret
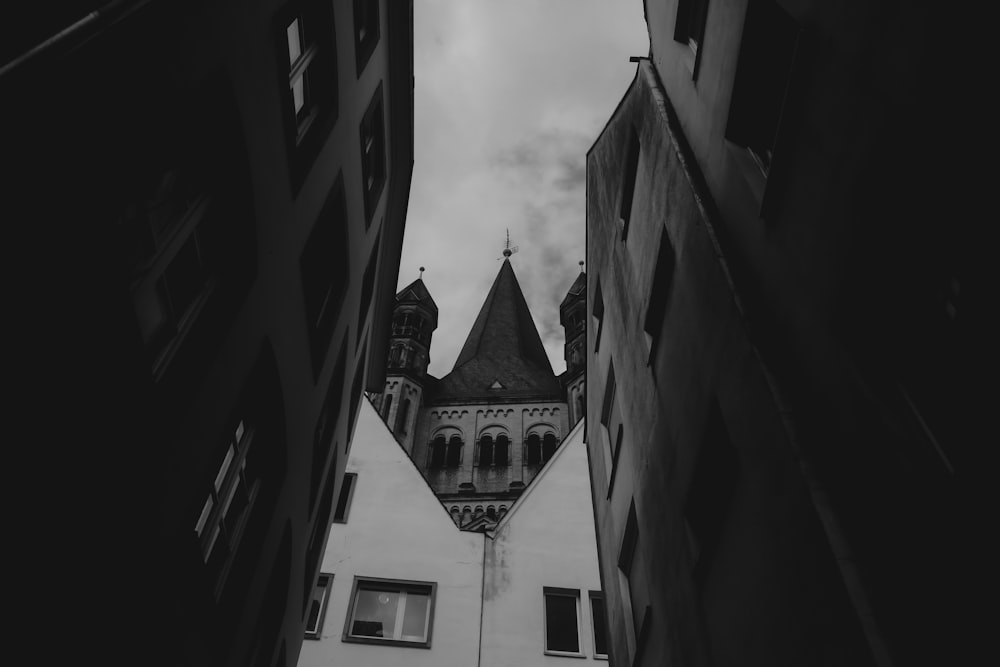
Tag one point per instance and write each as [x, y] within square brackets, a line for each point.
[573, 317]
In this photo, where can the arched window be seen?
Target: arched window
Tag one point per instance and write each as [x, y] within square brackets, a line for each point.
[548, 446]
[404, 413]
[486, 450]
[394, 356]
[491, 512]
[454, 457]
[385, 407]
[500, 451]
[437, 452]
[533, 455]
[579, 406]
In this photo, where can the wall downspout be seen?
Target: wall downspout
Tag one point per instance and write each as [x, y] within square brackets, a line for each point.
[482, 605]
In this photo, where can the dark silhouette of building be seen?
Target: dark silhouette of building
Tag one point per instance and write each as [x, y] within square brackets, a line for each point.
[781, 356]
[207, 202]
[482, 432]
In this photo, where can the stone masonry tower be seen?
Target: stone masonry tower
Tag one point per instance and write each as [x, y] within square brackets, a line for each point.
[414, 320]
[573, 317]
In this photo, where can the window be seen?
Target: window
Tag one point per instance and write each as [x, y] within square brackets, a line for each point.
[562, 621]
[344, 500]
[710, 495]
[367, 286]
[500, 450]
[628, 184]
[533, 445]
[326, 424]
[365, 31]
[454, 457]
[387, 611]
[230, 501]
[325, 272]
[598, 314]
[611, 422]
[307, 61]
[659, 293]
[486, 450]
[356, 390]
[690, 27]
[372, 154]
[317, 607]
[386, 406]
[767, 53]
[633, 585]
[438, 448]
[549, 444]
[401, 420]
[599, 620]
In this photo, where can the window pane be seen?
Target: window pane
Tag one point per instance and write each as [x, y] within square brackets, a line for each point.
[600, 632]
[224, 468]
[560, 624]
[319, 595]
[200, 526]
[299, 93]
[415, 616]
[375, 614]
[294, 45]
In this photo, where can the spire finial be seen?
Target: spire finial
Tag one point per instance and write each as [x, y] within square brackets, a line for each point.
[421, 272]
[507, 249]
[581, 266]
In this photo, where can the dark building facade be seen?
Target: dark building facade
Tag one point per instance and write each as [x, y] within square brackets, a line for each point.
[209, 201]
[482, 432]
[780, 342]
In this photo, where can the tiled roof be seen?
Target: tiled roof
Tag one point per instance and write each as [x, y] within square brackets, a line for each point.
[417, 291]
[578, 286]
[503, 356]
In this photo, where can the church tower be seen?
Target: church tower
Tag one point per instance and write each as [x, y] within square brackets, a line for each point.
[414, 319]
[481, 433]
[573, 317]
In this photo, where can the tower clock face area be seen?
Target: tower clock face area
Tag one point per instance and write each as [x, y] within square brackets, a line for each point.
[482, 432]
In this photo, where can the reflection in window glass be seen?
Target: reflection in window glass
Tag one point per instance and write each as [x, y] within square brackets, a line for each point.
[375, 614]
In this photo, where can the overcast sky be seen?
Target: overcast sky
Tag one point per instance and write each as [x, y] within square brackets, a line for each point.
[510, 94]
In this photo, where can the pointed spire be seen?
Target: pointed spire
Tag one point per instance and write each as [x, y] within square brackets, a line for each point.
[503, 346]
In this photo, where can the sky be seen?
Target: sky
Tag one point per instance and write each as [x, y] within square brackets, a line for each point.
[509, 96]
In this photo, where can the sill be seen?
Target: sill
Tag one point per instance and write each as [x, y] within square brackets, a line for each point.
[564, 654]
[749, 167]
[314, 637]
[386, 642]
[689, 56]
[600, 656]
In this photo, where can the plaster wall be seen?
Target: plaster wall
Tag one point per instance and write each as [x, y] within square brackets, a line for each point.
[757, 604]
[546, 540]
[397, 529]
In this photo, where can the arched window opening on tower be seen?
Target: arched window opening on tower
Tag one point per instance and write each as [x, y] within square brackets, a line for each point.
[386, 407]
[549, 444]
[454, 457]
[533, 447]
[404, 414]
[438, 452]
[579, 406]
[486, 450]
[491, 512]
[394, 356]
[500, 451]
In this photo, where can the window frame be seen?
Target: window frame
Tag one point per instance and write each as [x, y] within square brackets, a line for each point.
[398, 585]
[573, 593]
[364, 44]
[694, 39]
[317, 632]
[372, 133]
[347, 487]
[598, 595]
[318, 53]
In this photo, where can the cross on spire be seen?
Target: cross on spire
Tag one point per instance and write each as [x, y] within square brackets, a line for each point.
[507, 249]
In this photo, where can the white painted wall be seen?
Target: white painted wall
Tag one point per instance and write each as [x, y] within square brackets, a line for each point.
[397, 529]
[547, 539]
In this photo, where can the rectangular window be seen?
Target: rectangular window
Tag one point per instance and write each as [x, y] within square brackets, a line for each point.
[373, 154]
[631, 166]
[659, 293]
[317, 606]
[368, 285]
[344, 500]
[366, 31]
[562, 621]
[228, 504]
[690, 27]
[633, 585]
[612, 427]
[710, 495]
[307, 61]
[598, 314]
[325, 269]
[388, 611]
[599, 620]
[767, 53]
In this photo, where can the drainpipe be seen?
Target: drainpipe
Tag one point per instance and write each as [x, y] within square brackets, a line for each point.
[77, 32]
